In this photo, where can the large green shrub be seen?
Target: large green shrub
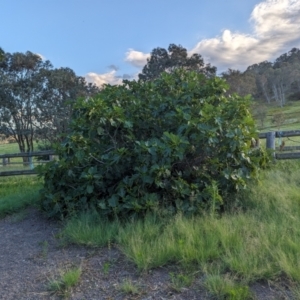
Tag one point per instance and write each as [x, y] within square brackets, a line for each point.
[175, 143]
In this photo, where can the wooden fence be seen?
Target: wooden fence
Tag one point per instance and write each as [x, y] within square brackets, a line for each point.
[270, 144]
[29, 163]
[269, 136]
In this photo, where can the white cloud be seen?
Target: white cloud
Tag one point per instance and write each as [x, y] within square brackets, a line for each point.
[106, 78]
[41, 56]
[136, 58]
[276, 29]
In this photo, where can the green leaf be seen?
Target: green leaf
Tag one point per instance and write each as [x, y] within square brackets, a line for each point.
[113, 200]
[100, 130]
[90, 189]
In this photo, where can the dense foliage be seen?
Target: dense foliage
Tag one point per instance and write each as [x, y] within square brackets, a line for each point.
[175, 143]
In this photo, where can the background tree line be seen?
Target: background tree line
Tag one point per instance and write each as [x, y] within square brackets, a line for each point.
[269, 82]
[36, 99]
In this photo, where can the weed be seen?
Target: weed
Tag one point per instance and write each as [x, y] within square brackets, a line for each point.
[45, 247]
[106, 267]
[238, 292]
[179, 281]
[66, 281]
[224, 287]
[128, 287]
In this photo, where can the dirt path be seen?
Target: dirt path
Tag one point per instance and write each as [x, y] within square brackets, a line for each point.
[31, 255]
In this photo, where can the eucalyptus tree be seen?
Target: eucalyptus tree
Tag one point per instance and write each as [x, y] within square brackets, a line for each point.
[35, 98]
[239, 82]
[162, 60]
[1, 54]
[19, 86]
[55, 102]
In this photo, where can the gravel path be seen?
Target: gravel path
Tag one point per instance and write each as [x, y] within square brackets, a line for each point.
[31, 256]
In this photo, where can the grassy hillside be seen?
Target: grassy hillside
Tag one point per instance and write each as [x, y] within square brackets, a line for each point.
[291, 117]
[288, 118]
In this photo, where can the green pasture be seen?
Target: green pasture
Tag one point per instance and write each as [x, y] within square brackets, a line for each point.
[9, 148]
[291, 113]
[291, 116]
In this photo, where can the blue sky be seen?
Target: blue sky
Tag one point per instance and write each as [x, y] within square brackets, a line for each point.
[106, 40]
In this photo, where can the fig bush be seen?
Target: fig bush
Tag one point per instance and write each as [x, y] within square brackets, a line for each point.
[176, 143]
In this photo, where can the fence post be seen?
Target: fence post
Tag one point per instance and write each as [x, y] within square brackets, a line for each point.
[271, 141]
[5, 161]
[30, 163]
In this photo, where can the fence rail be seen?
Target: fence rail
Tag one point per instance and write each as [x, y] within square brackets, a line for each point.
[270, 144]
[29, 163]
[278, 134]
[269, 136]
[28, 154]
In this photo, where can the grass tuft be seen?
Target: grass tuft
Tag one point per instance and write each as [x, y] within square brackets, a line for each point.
[66, 281]
[129, 287]
[225, 287]
[180, 280]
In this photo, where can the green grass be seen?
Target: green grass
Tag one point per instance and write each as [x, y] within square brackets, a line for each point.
[225, 287]
[178, 281]
[129, 287]
[9, 148]
[90, 230]
[65, 282]
[18, 192]
[260, 240]
[291, 112]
